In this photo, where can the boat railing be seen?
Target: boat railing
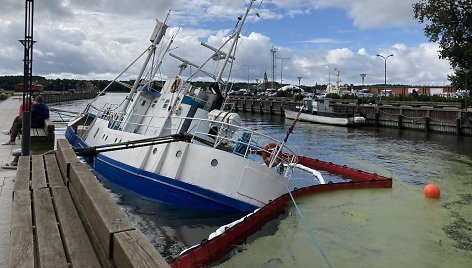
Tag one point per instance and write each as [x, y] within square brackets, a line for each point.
[241, 141]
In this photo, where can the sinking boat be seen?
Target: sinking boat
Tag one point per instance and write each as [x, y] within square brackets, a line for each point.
[177, 145]
[322, 112]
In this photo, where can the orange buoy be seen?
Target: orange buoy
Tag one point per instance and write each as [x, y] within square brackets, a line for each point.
[432, 191]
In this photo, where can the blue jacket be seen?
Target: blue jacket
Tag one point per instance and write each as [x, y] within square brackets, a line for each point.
[39, 112]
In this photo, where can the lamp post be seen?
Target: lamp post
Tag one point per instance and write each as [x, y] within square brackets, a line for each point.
[363, 76]
[281, 69]
[466, 72]
[27, 77]
[385, 71]
[248, 66]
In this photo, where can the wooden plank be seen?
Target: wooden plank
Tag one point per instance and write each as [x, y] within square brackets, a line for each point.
[65, 156]
[133, 249]
[103, 215]
[34, 132]
[21, 238]
[50, 249]
[49, 126]
[77, 243]
[22, 180]
[38, 173]
[54, 173]
[41, 132]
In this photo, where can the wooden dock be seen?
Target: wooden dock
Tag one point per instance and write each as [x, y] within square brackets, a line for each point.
[63, 217]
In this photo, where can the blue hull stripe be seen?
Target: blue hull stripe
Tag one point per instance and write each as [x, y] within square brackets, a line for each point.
[160, 188]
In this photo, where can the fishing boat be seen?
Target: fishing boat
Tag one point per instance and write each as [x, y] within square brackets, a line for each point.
[322, 112]
[177, 145]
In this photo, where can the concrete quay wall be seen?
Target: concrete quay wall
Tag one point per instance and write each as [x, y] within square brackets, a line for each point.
[421, 116]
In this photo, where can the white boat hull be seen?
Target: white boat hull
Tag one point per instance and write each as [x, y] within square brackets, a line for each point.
[313, 118]
[182, 173]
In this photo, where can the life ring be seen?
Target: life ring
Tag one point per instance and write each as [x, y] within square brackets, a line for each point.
[269, 152]
[175, 85]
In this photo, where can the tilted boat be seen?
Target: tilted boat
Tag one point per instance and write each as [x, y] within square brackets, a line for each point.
[177, 146]
[320, 111]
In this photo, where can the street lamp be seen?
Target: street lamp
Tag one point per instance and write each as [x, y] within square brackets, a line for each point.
[248, 66]
[27, 76]
[385, 60]
[363, 76]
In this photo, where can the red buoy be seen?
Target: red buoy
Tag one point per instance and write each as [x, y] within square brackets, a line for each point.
[432, 191]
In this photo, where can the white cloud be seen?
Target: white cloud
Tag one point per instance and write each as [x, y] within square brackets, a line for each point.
[97, 39]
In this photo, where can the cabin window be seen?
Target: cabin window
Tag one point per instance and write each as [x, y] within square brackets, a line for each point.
[214, 163]
[143, 102]
[166, 103]
[179, 153]
[154, 151]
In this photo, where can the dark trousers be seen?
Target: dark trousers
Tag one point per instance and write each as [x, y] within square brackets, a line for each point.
[15, 128]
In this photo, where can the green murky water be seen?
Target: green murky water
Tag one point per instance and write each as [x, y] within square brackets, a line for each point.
[395, 227]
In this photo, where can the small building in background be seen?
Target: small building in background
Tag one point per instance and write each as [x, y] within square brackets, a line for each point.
[408, 90]
[35, 87]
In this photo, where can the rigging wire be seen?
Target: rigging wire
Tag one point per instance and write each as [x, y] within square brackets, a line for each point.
[310, 230]
[207, 26]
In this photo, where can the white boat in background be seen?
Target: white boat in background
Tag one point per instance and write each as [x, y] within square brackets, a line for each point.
[320, 111]
[178, 146]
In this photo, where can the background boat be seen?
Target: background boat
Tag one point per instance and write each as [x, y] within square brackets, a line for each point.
[320, 111]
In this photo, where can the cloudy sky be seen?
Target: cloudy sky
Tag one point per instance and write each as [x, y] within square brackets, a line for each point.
[97, 39]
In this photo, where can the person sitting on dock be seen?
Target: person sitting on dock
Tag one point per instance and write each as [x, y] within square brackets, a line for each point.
[16, 125]
[39, 112]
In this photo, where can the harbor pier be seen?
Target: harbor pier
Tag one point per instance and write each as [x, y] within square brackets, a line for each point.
[55, 213]
[439, 117]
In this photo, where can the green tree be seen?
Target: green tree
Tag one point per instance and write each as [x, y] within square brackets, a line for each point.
[449, 22]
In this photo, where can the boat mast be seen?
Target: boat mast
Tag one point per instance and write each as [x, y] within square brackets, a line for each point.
[235, 36]
[156, 37]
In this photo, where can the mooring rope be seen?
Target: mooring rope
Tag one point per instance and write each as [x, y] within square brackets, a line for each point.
[310, 231]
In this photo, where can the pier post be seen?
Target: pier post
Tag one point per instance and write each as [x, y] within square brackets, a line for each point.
[458, 127]
[427, 127]
[377, 118]
[400, 121]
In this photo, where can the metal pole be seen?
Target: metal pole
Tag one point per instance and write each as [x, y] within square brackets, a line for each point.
[27, 76]
[466, 89]
[385, 71]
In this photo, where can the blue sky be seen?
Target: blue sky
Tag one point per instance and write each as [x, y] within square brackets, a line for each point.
[96, 39]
